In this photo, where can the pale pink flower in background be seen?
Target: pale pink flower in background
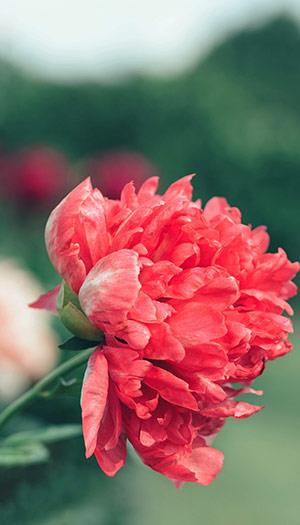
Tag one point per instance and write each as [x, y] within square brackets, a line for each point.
[28, 345]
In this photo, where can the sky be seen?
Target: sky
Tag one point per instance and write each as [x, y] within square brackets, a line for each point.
[106, 38]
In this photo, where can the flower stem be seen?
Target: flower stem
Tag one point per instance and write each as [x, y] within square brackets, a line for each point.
[29, 396]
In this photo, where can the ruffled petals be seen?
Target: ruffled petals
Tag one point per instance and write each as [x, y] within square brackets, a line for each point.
[194, 324]
[201, 465]
[170, 388]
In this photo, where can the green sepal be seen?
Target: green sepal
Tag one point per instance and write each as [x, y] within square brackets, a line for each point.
[66, 295]
[74, 319]
[75, 344]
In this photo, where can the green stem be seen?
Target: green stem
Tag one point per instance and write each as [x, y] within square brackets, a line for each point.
[29, 396]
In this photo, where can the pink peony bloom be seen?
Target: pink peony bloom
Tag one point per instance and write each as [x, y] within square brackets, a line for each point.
[189, 302]
[112, 171]
[28, 346]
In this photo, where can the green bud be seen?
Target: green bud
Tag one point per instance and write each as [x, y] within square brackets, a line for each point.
[73, 318]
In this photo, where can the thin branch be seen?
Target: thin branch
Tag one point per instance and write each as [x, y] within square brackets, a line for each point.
[29, 396]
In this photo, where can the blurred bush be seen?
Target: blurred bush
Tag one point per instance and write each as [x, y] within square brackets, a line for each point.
[233, 119]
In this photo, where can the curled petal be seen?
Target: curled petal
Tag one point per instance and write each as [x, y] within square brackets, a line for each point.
[126, 369]
[218, 207]
[163, 345]
[155, 278]
[170, 387]
[111, 289]
[76, 235]
[201, 465]
[209, 359]
[110, 450]
[181, 188]
[112, 460]
[147, 310]
[231, 408]
[207, 388]
[185, 251]
[136, 334]
[93, 399]
[210, 286]
[148, 189]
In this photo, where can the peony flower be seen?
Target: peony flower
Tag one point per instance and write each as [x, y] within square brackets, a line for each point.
[28, 346]
[38, 176]
[189, 302]
[112, 171]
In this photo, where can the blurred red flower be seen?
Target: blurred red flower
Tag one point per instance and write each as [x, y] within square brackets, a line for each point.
[189, 302]
[4, 171]
[38, 175]
[112, 171]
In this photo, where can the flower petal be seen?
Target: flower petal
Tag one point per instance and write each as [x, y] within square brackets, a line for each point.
[231, 408]
[210, 286]
[111, 289]
[194, 324]
[110, 451]
[93, 399]
[180, 188]
[163, 345]
[110, 461]
[170, 387]
[202, 465]
[48, 300]
[76, 235]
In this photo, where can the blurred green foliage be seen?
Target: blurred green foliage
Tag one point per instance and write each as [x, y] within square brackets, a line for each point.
[68, 490]
[233, 119]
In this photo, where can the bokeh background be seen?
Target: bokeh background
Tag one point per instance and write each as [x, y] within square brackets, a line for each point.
[122, 91]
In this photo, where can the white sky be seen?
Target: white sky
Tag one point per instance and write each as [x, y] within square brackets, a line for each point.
[98, 38]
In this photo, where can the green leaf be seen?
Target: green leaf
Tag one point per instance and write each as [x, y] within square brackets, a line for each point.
[22, 454]
[45, 435]
[71, 387]
[75, 344]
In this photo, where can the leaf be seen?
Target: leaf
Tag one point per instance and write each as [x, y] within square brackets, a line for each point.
[22, 454]
[75, 344]
[71, 387]
[45, 435]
